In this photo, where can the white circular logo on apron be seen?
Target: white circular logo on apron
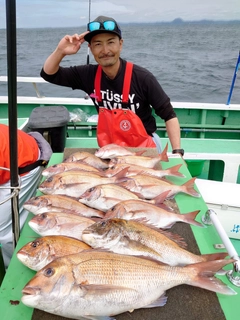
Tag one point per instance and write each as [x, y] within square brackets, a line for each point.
[125, 125]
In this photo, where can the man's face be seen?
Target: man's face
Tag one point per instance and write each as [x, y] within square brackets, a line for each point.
[106, 48]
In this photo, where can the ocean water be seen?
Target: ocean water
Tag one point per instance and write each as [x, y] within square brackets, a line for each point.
[193, 62]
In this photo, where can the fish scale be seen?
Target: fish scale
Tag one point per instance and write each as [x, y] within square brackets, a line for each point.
[150, 187]
[95, 284]
[135, 238]
[104, 196]
[151, 213]
[54, 202]
[75, 183]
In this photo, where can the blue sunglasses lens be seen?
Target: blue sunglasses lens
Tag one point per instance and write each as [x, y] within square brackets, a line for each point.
[92, 26]
[106, 25]
[109, 25]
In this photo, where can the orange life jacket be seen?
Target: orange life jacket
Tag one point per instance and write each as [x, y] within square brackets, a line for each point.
[28, 151]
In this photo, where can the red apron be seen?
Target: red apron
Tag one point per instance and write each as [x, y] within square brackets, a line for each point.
[120, 126]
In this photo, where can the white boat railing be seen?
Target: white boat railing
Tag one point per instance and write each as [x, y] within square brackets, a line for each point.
[86, 101]
[209, 218]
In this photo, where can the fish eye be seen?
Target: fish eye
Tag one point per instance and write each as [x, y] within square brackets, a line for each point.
[44, 215]
[49, 272]
[50, 179]
[103, 223]
[35, 244]
[54, 166]
[91, 189]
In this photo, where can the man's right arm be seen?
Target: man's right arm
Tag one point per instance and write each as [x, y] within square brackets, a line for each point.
[67, 46]
[52, 63]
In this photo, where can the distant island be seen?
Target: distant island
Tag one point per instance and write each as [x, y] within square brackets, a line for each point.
[181, 21]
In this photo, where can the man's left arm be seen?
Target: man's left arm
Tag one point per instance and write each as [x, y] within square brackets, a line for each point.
[173, 131]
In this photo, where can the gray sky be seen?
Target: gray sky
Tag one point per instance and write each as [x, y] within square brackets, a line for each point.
[62, 13]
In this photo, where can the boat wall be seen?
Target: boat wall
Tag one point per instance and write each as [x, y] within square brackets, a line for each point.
[195, 121]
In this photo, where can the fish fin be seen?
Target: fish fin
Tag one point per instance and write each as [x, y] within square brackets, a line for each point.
[98, 214]
[98, 289]
[174, 171]
[139, 153]
[160, 198]
[129, 184]
[139, 195]
[169, 226]
[97, 219]
[202, 276]
[113, 199]
[160, 302]
[145, 221]
[138, 248]
[69, 185]
[164, 206]
[190, 218]
[188, 187]
[133, 247]
[98, 317]
[163, 155]
[174, 237]
[121, 175]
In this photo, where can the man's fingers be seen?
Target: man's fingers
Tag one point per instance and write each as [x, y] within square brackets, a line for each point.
[78, 37]
[82, 36]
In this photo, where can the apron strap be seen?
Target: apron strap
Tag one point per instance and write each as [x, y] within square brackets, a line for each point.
[126, 83]
[97, 83]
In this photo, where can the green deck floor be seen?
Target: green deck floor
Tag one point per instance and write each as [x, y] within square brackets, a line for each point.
[21, 122]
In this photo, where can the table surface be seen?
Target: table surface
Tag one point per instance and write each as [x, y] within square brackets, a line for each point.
[190, 145]
[18, 275]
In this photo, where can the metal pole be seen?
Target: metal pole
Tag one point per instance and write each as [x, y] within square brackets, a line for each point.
[233, 275]
[12, 111]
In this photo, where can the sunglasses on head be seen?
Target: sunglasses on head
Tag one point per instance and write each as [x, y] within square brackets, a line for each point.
[106, 25]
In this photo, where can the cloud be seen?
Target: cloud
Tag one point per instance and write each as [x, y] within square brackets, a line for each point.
[62, 13]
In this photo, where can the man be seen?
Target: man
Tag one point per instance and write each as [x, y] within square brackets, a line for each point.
[123, 93]
[33, 152]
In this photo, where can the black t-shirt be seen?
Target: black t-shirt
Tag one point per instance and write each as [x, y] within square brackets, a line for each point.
[145, 91]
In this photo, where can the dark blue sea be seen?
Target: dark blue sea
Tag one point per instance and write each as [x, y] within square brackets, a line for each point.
[193, 61]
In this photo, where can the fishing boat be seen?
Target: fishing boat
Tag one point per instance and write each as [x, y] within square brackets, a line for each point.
[210, 136]
[202, 125]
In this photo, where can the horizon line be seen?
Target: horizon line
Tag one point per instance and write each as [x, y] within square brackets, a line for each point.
[174, 21]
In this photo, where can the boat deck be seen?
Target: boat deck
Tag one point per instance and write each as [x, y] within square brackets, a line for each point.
[21, 122]
[18, 275]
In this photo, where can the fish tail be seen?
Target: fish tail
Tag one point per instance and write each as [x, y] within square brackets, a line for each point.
[214, 256]
[163, 156]
[188, 188]
[190, 218]
[202, 275]
[174, 171]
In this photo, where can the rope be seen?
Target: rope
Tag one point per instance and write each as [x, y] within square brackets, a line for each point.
[15, 191]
